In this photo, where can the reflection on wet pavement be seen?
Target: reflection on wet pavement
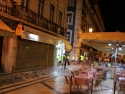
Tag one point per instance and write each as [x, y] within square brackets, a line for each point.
[47, 81]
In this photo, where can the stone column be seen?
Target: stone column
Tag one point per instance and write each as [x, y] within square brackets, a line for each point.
[8, 54]
[77, 43]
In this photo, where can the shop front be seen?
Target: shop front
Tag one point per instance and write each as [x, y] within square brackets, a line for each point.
[63, 47]
[35, 50]
[60, 50]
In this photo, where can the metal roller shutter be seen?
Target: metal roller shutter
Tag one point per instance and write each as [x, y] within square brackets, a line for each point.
[32, 55]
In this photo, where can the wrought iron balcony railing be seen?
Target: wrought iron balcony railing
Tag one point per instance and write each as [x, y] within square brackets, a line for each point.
[30, 16]
[5, 8]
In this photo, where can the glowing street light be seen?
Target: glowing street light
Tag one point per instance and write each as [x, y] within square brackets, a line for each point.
[90, 30]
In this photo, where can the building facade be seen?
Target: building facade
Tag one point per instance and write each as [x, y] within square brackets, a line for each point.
[30, 31]
[81, 16]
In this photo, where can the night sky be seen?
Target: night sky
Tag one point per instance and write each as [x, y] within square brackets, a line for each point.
[113, 12]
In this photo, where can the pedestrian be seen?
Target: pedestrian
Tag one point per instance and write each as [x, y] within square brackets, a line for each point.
[73, 59]
[59, 59]
[81, 58]
[67, 59]
[64, 61]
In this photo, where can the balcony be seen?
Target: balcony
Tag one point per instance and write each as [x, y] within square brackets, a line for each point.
[43, 22]
[21, 12]
[6, 9]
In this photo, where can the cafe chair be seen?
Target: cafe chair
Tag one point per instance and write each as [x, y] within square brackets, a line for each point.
[121, 88]
[76, 72]
[67, 80]
[80, 70]
[77, 89]
[73, 73]
[97, 84]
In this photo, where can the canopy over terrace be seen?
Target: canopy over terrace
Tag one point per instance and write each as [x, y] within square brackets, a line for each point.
[100, 41]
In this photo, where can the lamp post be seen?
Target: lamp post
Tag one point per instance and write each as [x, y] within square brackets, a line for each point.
[90, 30]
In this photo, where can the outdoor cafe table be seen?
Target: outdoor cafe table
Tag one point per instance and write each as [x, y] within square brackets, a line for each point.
[92, 72]
[117, 75]
[83, 79]
[121, 79]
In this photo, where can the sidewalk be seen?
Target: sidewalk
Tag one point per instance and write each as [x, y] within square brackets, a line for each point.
[46, 81]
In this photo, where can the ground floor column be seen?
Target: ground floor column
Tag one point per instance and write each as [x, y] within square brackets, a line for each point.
[75, 51]
[8, 54]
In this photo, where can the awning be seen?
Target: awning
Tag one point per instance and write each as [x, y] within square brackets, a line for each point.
[68, 47]
[100, 41]
[108, 36]
[5, 30]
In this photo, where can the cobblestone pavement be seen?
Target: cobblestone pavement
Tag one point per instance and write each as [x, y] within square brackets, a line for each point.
[47, 81]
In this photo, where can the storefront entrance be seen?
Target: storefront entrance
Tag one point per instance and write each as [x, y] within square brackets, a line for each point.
[1, 43]
[31, 54]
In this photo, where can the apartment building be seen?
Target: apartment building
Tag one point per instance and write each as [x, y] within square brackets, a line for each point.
[81, 16]
[32, 33]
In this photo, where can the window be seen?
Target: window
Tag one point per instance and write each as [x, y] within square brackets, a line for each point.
[69, 36]
[40, 7]
[60, 18]
[70, 2]
[25, 3]
[69, 18]
[51, 12]
[22, 4]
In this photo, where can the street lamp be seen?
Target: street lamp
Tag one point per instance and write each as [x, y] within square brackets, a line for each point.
[90, 30]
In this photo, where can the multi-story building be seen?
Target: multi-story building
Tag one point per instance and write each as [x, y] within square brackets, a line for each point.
[32, 33]
[81, 16]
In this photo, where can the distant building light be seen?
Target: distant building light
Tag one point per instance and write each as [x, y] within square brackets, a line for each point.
[120, 48]
[110, 44]
[117, 44]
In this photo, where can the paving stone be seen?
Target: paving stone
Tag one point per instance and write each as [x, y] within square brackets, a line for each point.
[47, 81]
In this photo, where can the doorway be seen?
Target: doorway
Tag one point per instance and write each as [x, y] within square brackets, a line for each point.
[1, 43]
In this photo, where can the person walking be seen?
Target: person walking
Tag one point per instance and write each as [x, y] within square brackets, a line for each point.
[67, 59]
[64, 61]
[59, 60]
[82, 58]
